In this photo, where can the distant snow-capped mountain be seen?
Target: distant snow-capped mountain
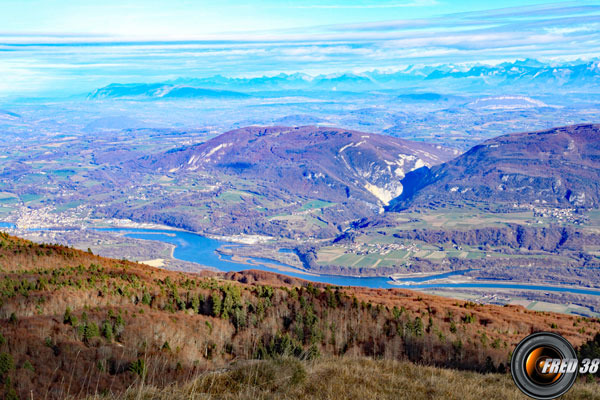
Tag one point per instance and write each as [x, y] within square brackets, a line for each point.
[519, 75]
[526, 71]
[160, 91]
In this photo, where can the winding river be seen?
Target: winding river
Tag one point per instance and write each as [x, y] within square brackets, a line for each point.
[202, 250]
[199, 249]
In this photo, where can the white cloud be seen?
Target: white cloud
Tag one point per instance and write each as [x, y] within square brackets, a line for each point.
[415, 3]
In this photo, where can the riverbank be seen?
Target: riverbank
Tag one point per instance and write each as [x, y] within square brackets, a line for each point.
[190, 252]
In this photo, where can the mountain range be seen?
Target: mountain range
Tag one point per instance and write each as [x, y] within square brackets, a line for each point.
[314, 181]
[557, 167]
[521, 75]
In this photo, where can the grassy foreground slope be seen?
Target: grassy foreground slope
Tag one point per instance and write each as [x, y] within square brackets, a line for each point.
[345, 378]
[73, 324]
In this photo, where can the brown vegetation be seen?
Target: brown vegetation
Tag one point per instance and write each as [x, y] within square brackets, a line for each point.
[343, 378]
[74, 324]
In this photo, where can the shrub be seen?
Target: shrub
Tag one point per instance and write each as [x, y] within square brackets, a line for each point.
[146, 299]
[11, 394]
[138, 367]
[27, 365]
[6, 364]
[469, 318]
[69, 318]
[280, 345]
[453, 327]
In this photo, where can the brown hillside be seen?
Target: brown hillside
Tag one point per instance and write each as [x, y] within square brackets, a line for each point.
[77, 324]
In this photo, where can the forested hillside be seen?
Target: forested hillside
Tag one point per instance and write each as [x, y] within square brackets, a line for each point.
[75, 324]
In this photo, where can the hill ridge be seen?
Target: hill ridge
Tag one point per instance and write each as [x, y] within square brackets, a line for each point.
[555, 167]
[324, 157]
[103, 324]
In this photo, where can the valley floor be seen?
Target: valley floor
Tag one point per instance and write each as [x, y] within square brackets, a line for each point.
[342, 378]
[161, 254]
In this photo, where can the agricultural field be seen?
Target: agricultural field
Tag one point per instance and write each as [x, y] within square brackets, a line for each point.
[315, 205]
[387, 252]
[520, 247]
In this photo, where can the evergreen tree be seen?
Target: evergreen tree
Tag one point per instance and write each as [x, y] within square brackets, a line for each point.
[418, 327]
[146, 299]
[7, 364]
[90, 331]
[215, 300]
[107, 330]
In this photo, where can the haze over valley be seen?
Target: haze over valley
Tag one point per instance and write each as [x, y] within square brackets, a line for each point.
[210, 199]
[341, 169]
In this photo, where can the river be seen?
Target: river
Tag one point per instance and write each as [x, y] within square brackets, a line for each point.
[202, 250]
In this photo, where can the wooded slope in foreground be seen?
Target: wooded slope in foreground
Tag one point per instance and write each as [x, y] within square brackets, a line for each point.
[75, 325]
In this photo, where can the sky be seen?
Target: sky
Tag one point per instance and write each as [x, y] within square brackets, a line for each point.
[71, 46]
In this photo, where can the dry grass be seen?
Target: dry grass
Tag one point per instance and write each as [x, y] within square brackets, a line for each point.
[55, 358]
[342, 378]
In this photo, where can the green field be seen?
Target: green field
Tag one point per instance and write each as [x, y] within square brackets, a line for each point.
[315, 204]
[378, 247]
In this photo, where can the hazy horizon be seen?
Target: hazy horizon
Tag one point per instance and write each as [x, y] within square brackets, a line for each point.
[65, 48]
